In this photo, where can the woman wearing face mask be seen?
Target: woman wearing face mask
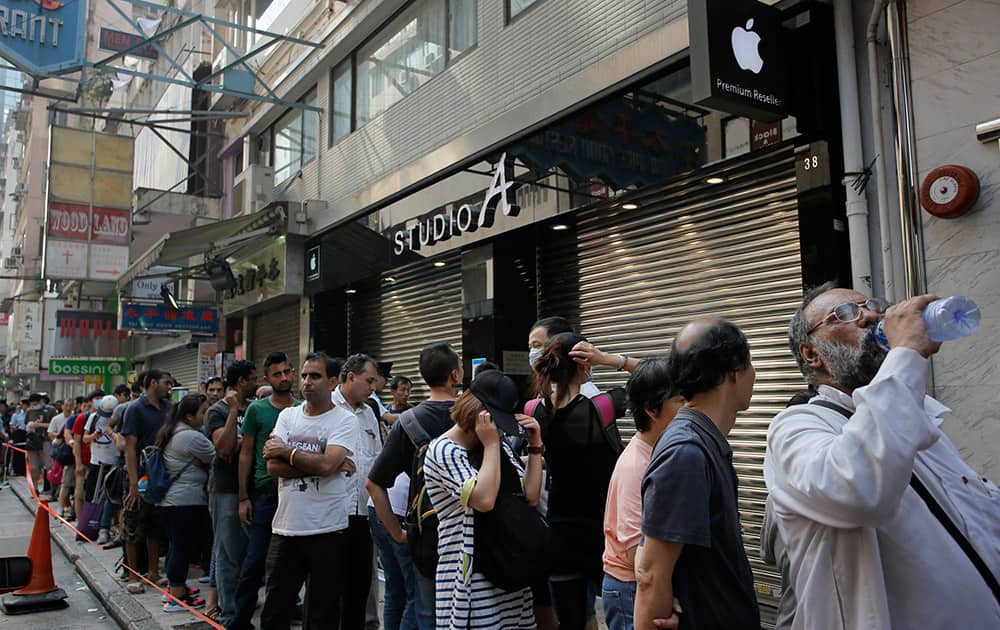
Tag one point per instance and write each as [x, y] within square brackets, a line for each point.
[187, 454]
[582, 444]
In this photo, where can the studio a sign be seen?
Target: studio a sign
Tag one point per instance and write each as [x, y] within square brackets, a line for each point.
[737, 62]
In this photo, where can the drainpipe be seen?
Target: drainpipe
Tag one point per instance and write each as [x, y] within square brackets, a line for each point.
[881, 182]
[906, 155]
[850, 123]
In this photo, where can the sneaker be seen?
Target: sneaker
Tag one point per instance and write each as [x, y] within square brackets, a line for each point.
[205, 579]
[191, 592]
[193, 602]
[102, 537]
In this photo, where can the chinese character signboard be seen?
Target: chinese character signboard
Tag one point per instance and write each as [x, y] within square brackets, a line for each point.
[43, 36]
[265, 273]
[136, 316]
[206, 362]
[118, 41]
[88, 221]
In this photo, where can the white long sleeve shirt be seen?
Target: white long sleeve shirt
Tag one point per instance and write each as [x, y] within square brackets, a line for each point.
[369, 446]
[864, 549]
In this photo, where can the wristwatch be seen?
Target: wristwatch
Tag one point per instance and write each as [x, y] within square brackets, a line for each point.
[536, 450]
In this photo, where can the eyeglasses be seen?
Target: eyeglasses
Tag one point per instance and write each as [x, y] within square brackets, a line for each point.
[851, 312]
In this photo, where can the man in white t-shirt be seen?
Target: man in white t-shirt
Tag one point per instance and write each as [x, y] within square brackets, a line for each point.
[309, 452]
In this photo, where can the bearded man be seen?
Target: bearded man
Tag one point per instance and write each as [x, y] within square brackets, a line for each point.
[885, 525]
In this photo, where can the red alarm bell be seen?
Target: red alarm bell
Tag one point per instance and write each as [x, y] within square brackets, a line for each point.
[949, 191]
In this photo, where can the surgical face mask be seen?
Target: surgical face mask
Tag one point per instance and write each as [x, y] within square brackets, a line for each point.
[533, 354]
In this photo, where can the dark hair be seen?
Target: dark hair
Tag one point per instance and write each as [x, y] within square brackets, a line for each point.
[45, 397]
[79, 400]
[355, 364]
[140, 382]
[122, 390]
[34, 398]
[152, 374]
[213, 379]
[237, 370]
[273, 359]
[97, 393]
[437, 361]
[649, 386]
[398, 380]
[332, 368]
[188, 406]
[555, 367]
[719, 350]
[554, 325]
[798, 328]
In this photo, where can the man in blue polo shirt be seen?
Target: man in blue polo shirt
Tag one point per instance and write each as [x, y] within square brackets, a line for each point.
[689, 492]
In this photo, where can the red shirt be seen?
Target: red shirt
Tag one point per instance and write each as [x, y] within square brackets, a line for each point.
[78, 426]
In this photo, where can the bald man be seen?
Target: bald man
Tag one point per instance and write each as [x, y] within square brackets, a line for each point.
[689, 492]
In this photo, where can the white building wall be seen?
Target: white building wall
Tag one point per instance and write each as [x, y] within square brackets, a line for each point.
[955, 60]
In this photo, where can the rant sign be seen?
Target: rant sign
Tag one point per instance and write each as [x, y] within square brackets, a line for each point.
[43, 36]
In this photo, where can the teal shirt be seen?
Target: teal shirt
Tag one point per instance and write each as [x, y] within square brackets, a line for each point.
[258, 423]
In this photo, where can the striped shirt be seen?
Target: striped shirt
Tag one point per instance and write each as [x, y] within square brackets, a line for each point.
[464, 598]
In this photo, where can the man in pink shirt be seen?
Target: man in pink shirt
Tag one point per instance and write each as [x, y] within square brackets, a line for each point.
[654, 403]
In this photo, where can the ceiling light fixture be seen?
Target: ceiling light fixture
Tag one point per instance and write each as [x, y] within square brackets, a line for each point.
[439, 263]
[350, 291]
[168, 298]
[715, 180]
[388, 280]
[559, 227]
[629, 206]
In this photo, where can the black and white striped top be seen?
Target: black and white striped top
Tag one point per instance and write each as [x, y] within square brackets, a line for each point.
[464, 598]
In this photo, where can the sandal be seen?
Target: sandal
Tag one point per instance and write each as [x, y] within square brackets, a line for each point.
[135, 588]
[214, 613]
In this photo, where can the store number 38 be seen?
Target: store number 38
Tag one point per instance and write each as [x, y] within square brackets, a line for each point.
[810, 162]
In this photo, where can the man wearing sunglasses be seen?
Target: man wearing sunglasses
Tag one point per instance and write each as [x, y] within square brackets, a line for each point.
[884, 524]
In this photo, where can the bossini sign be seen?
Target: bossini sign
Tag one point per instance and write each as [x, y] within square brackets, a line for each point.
[441, 226]
[88, 367]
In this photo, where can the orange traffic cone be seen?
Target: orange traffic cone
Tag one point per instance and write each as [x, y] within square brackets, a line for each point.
[41, 593]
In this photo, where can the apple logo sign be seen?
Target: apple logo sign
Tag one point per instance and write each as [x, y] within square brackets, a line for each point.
[745, 43]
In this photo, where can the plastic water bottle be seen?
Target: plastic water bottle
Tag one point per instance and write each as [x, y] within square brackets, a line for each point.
[946, 319]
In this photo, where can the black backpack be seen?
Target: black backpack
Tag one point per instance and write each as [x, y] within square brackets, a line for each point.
[510, 542]
[421, 518]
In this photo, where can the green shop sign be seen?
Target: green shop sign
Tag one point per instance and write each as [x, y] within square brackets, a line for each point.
[89, 367]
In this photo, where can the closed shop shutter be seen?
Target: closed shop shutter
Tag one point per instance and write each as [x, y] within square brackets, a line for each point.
[414, 305]
[181, 363]
[632, 278]
[275, 330]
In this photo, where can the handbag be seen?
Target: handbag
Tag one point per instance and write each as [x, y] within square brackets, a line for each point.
[510, 542]
[89, 524]
[114, 485]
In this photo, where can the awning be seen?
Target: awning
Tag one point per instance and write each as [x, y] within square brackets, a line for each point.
[176, 248]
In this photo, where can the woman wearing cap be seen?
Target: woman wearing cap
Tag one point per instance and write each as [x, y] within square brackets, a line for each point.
[187, 454]
[457, 489]
[103, 457]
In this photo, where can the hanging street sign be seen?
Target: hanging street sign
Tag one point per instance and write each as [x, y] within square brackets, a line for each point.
[136, 316]
[43, 36]
[117, 41]
[89, 366]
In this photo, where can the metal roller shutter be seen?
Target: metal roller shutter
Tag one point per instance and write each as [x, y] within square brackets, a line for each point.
[421, 304]
[181, 363]
[631, 279]
[275, 330]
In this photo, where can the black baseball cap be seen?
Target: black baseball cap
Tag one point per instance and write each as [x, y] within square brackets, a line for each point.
[499, 395]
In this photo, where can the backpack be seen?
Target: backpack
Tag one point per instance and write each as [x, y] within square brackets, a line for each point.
[605, 411]
[421, 518]
[510, 542]
[154, 478]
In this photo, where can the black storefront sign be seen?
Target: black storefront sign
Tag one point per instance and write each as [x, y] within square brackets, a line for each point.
[737, 61]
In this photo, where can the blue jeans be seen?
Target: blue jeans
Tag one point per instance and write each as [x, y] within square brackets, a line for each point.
[425, 601]
[229, 545]
[619, 603]
[255, 561]
[400, 611]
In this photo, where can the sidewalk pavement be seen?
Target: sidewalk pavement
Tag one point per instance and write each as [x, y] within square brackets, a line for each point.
[97, 568]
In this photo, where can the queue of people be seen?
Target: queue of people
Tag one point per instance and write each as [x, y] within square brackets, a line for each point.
[488, 512]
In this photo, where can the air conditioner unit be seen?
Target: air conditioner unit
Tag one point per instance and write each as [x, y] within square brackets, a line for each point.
[254, 188]
[10, 262]
[15, 252]
[235, 81]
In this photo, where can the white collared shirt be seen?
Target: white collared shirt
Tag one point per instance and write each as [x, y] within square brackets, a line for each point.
[864, 549]
[369, 446]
